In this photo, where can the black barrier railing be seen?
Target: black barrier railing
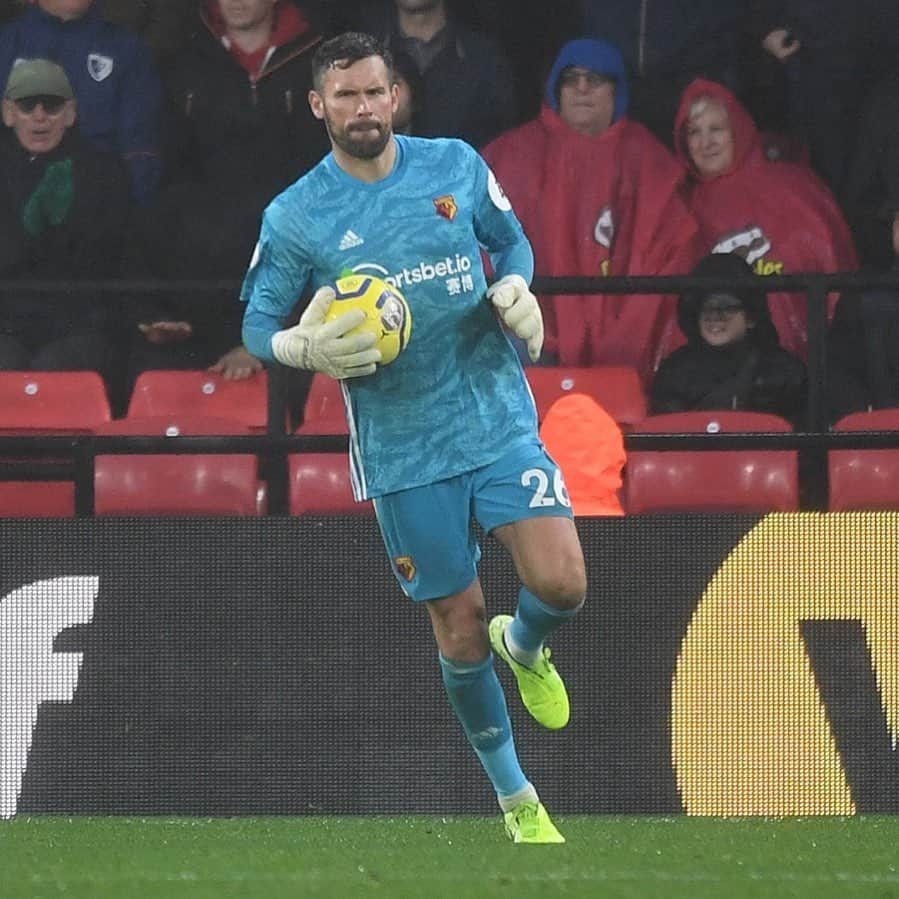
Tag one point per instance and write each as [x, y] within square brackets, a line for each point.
[275, 446]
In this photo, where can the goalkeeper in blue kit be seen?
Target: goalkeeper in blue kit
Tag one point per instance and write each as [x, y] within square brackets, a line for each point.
[447, 433]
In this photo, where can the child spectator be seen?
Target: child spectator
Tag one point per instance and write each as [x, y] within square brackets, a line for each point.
[732, 359]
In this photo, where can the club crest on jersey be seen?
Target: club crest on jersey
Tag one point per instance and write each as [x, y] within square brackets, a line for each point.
[405, 566]
[99, 66]
[446, 206]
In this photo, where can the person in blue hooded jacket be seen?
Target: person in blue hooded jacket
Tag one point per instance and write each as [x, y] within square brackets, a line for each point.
[112, 72]
[597, 194]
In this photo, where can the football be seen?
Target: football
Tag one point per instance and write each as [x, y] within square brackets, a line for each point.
[386, 310]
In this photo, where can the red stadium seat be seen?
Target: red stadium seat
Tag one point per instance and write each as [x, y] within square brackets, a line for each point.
[617, 388]
[175, 484]
[52, 402]
[320, 485]
[712, 481]
[197, 392]
[865, 478]
[324, 411]
[47, 403]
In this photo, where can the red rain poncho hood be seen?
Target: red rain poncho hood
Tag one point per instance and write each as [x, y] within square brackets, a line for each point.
[779, 216]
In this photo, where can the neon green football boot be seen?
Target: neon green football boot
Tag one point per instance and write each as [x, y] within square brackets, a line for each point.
[529, 822]
[542, 690]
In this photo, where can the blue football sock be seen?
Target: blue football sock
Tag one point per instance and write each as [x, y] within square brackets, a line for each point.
[534, 621]
[478, 700]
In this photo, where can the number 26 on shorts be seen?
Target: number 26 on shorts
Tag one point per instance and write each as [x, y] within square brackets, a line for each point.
[538, 480]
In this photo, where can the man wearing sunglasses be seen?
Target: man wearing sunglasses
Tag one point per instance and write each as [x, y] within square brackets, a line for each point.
[597, 195]
[113, 75]
[63, 208]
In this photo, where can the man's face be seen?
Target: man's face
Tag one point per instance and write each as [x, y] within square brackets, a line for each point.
[240, 14]
[710, 140]
[586, 100]
[65, 9]
[39, 123]
[357, 106]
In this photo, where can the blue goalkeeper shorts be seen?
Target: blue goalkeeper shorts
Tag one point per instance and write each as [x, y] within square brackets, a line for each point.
[428, 531]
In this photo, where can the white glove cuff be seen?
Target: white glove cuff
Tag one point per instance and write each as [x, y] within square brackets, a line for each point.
[290, 349]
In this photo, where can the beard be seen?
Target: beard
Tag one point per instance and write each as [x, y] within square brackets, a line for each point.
[361, 141]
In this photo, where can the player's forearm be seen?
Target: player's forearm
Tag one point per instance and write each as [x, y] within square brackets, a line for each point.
[517, 259]
[257, 334]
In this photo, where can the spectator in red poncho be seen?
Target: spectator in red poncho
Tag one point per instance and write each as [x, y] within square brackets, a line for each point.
[597, 195]
[779, 216]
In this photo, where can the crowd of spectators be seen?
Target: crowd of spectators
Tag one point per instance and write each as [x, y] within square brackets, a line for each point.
[632, 139]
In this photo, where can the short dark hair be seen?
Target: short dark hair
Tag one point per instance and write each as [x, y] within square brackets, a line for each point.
[342, 51]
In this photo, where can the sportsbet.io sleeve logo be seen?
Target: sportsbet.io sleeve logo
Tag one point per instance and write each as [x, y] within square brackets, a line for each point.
[750, 730]
[500, 200]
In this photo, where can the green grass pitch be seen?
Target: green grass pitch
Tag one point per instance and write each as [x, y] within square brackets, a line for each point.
[399, 857]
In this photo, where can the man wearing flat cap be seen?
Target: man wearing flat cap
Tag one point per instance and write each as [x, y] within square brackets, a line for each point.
[63, 207]
[113, 75]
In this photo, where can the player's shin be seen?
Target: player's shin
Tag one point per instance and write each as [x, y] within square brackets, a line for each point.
[478, 700]
[533, 623]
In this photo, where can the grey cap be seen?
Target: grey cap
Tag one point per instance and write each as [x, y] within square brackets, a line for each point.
[38, 77]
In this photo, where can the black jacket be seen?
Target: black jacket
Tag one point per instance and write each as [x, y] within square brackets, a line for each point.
[224, 129]
[57, 239]
[231, 145]
[872, 193]
[756, 374]
[468, 88]
[828, 25]
[741, 376]
[863, 352]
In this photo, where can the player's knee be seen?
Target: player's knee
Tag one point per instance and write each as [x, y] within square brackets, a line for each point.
[460, 628]
[563, 588]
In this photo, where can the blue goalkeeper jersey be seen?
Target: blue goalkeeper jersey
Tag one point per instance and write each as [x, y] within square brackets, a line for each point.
[457, 398]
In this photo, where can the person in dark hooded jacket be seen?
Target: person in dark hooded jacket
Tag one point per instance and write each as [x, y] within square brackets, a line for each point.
[732, 359]
[239, 131]
[833, 53]
[468, 87]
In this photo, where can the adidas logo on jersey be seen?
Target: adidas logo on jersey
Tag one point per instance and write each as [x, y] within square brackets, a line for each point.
[349, 240]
